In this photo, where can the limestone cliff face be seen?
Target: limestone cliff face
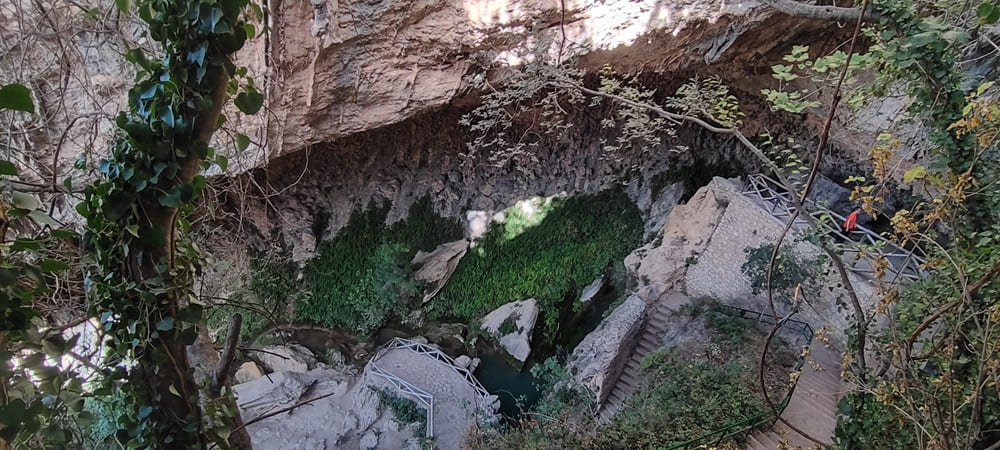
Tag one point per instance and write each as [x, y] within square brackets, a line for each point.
[338, 68]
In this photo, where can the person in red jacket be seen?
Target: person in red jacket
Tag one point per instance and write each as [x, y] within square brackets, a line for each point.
[852, 220]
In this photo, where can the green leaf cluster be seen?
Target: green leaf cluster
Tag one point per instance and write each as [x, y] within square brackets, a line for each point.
[578, 238]
[359, 278]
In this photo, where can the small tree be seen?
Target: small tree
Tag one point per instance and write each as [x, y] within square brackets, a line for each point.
[142, 291]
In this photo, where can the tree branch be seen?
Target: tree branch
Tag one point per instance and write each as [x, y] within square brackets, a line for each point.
[228, 352]
[822, 12]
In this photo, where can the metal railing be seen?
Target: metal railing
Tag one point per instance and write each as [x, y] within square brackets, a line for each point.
[742, 428]
[866, 247]
[420, 396]
[423, 349]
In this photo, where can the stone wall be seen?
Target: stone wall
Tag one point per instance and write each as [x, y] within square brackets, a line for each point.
[718, 272]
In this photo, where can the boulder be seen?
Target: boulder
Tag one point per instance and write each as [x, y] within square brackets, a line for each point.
[591, 290]
[342, 410]
[661, 264]
[600, 357]
[247, 372]
[463, 361]
[522, 315]
[285, 358]
[368, 441]
[438, 265]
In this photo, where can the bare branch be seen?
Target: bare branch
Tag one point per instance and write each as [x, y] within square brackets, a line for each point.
[228, 352]
[822, 12]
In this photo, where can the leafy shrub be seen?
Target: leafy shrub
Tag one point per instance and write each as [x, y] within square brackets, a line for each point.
[680, 399]
[508, 326]
[864, 422]
[789, 269]
[405, 410]
[570, 247]
[357, 279]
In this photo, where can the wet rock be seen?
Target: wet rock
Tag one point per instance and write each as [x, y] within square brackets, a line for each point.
[523, 315]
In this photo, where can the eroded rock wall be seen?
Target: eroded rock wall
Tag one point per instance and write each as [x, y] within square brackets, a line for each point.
[339, 68]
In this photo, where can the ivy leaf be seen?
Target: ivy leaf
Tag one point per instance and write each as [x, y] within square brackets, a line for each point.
[242, 141]
[17, 97]
[123, 5]
[145, 411]
[166, 324]
[249, 102]
[52, 265]
[171, 199]
[915, 173]
[7, 168]
[988, 13]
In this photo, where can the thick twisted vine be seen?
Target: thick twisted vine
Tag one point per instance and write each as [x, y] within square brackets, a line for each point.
[141, 292]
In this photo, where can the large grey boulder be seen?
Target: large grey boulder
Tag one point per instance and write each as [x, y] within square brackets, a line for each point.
[438, 265]
[523, 315]
[598, 360]
[282, 358]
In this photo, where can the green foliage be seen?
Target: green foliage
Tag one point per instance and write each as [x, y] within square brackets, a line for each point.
[16, 97]
[920, 48]
[864, 422]
[822, 70]
[141, 288]
[789, 269]
[358, 279]
[40, 402]
[709, 98]
[508, 326]
[405, 410]
[681, 398]
[568, 249]
[270, 290]
[101, 433]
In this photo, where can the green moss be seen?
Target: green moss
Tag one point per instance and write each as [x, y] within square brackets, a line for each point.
[570, 247]
[359, 278]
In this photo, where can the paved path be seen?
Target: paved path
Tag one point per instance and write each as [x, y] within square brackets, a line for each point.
[454, 398]
[813, 407]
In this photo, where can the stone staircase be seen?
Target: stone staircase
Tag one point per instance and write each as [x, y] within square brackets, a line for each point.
[813, 407]
[649, 340]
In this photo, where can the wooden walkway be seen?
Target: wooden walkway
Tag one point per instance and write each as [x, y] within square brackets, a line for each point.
[813, 407]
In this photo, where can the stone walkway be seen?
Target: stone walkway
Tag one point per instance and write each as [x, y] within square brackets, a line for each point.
[454, 398]
[813, 407]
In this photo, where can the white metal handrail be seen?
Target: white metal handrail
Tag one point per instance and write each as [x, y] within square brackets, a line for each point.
[420, 396]
[424, 349]
[906, 264]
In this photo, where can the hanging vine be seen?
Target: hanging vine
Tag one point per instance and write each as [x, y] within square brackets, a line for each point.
[135, 214]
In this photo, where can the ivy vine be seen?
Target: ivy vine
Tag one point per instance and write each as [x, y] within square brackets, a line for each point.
[141, 291]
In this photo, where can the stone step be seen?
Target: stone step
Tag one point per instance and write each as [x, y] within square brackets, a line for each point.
[628, 380]
[647, 347]
[767, 440]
